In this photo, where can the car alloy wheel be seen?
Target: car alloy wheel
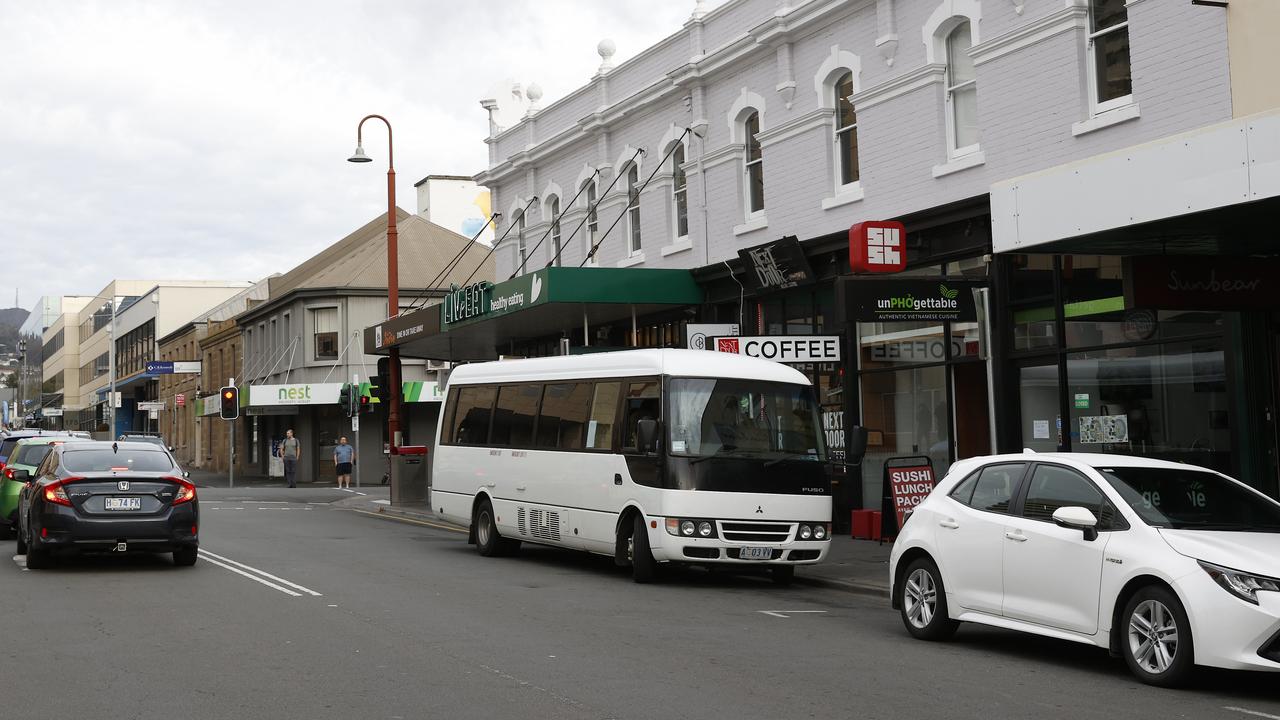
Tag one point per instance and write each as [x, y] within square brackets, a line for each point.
[1153, 636]
[920, 598]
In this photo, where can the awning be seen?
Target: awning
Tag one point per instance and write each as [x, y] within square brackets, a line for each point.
[124, 382]
[474, 321]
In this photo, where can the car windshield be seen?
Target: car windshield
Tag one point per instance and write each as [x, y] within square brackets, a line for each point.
[106, 460]
[711, 417]
[6, 447]
[1193, 499]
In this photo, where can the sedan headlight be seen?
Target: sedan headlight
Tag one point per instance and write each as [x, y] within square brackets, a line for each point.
[1242, 585]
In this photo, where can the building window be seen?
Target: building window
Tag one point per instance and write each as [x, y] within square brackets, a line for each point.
[521, 250]
[633, 209]
[755, 164]
[679, 192]
[1109, 49]
[325, 323]
[962, 93]
[846, 130]
[555, 230]
[593, 221]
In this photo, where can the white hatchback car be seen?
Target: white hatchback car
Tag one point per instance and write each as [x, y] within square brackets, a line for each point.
[1167, 565]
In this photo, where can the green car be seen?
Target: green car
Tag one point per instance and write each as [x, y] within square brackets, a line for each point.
[26, 454]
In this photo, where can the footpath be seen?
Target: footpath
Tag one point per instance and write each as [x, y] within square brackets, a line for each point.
[857, 566]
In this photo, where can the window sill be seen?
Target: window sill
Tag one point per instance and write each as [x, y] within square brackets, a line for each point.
[964, 162]
[758, 222]
[1106, 119]
[850, 193]
[677, 247]
[632, 261]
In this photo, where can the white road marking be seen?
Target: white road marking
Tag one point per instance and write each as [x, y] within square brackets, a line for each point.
[382, 502]
[254, 578]
[263, 573]
[1254, 713]
[360, 493]
[789, 613]
[20, 561]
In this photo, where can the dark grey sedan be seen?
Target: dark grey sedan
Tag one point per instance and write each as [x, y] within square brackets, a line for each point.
[108, 497]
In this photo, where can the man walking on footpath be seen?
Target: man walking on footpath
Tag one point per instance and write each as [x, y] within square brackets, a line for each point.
[289, 453]
[344, 456]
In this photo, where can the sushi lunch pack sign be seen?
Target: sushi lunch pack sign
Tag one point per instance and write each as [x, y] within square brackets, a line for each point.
[907, 482]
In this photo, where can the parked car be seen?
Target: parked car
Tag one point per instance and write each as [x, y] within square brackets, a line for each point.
[107, 496]
[1167, 565]
[26, 454]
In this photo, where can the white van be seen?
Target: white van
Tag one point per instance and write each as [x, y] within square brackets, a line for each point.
[651, 456]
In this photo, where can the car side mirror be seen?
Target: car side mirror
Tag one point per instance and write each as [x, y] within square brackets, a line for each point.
[647, 435]
[1079, 518]
[856, 445]
[22, 476]
[170, 447]
[186, 473]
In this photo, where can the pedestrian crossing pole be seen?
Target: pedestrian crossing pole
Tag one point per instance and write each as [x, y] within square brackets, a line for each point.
[231, 446]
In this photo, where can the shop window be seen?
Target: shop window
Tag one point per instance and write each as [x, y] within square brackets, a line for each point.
[604, 410]
[798, 310]
[563, 416]
[1110, 79]
[1032, 302]
[962, 93]
[1095, 311]
[514, 414]
[846, 131]
[754, 164]
[679, 193]
[895, 344]
[472, 414]
[906, 413]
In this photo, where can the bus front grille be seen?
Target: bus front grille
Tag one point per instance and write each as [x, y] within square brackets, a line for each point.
[755, 532]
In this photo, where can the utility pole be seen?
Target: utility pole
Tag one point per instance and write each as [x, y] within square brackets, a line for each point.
[231, 446]
[355, 426]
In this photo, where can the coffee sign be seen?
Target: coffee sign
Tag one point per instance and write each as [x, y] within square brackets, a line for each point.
[784, 348]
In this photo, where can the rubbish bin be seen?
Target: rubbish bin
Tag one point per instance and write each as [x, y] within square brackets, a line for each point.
[410, 476]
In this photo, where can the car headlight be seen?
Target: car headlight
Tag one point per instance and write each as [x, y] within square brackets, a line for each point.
[1242, 585]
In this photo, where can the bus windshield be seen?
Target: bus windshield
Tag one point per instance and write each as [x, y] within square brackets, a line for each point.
[710, 417]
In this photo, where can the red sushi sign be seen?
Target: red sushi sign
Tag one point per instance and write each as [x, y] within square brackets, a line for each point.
[878, 246]
[910, 485]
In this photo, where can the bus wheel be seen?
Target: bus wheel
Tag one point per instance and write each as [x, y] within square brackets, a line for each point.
[782, 574]
[488, 541]
[644, 568]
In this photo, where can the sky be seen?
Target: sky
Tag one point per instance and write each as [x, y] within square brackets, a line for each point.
[198, 139]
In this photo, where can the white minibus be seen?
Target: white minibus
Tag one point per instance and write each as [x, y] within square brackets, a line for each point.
[650, 456]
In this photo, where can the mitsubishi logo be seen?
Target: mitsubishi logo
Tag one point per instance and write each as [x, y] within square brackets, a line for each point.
[123, 485]
[759, 508]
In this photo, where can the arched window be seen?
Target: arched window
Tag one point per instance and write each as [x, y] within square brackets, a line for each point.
[593, 220]
[846, 130]
[554, 206]
[679, 192]
[755, 164]
[962, 92]
[522, 251]
[633, 209]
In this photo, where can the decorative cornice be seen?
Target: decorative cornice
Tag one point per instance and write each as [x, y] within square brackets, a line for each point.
[923, 76]
[1055, 23]
[720, 156]
[811, 120]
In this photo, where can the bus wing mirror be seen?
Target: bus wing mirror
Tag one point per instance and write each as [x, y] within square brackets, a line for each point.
[647, 435]
[857, 444]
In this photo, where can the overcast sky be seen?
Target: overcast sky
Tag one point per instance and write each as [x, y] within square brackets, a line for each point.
[172, 140]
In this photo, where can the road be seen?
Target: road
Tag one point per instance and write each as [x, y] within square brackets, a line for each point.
[304, 608]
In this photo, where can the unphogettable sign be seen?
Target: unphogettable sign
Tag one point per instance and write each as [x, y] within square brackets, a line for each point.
[907, 482]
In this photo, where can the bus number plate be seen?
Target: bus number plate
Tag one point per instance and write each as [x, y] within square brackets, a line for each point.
[755, 553]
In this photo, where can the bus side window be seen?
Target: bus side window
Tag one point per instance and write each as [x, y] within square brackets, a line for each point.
[471, 418]
[643, 401]
[604, 413]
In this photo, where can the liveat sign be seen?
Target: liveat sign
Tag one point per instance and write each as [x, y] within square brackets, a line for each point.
[784, 348]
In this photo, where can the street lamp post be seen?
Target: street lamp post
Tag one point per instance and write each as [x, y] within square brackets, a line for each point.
[111, 370]
[393, 273]
[22, 379]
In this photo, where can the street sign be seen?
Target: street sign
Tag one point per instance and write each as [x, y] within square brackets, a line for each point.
[180, 400]
[171, 367]
[151, 405]
[355, 423]
[52, 412]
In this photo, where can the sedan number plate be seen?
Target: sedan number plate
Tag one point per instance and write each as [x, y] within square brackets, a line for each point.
[124, 503]
[755, 553]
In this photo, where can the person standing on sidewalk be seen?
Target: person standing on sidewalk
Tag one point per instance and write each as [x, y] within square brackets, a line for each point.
[289, 453]
[344, 456]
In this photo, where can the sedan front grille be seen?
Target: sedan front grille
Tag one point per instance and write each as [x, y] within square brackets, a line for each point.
[756, 532]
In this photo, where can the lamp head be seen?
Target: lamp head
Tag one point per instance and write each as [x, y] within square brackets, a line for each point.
[358, 156]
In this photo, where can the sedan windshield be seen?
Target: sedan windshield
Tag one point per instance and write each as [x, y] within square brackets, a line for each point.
[1193, 499]
[106, 460]
[724, 417]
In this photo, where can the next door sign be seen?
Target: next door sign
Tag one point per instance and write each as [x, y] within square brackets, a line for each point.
[784, 348]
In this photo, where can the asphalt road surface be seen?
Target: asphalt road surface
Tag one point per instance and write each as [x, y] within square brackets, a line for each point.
[301, 607]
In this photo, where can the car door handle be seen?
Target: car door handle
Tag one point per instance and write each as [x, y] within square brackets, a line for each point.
[1016, 537]
[949, 524]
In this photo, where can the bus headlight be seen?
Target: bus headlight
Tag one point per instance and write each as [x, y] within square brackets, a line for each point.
[805, 532]
[687, 528]
[813, 531]
[691, 527]
[705, 529]
[819, 532]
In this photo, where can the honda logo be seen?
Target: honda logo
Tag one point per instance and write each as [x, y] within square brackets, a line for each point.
[123, 485]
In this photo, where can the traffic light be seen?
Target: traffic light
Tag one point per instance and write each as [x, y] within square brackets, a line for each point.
[346, 400]
[230, 397]
[380, 385]
[366, 404]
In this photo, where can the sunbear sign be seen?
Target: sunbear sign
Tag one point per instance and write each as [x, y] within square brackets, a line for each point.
[784, 348]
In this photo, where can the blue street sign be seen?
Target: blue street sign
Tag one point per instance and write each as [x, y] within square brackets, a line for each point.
[157, 367]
